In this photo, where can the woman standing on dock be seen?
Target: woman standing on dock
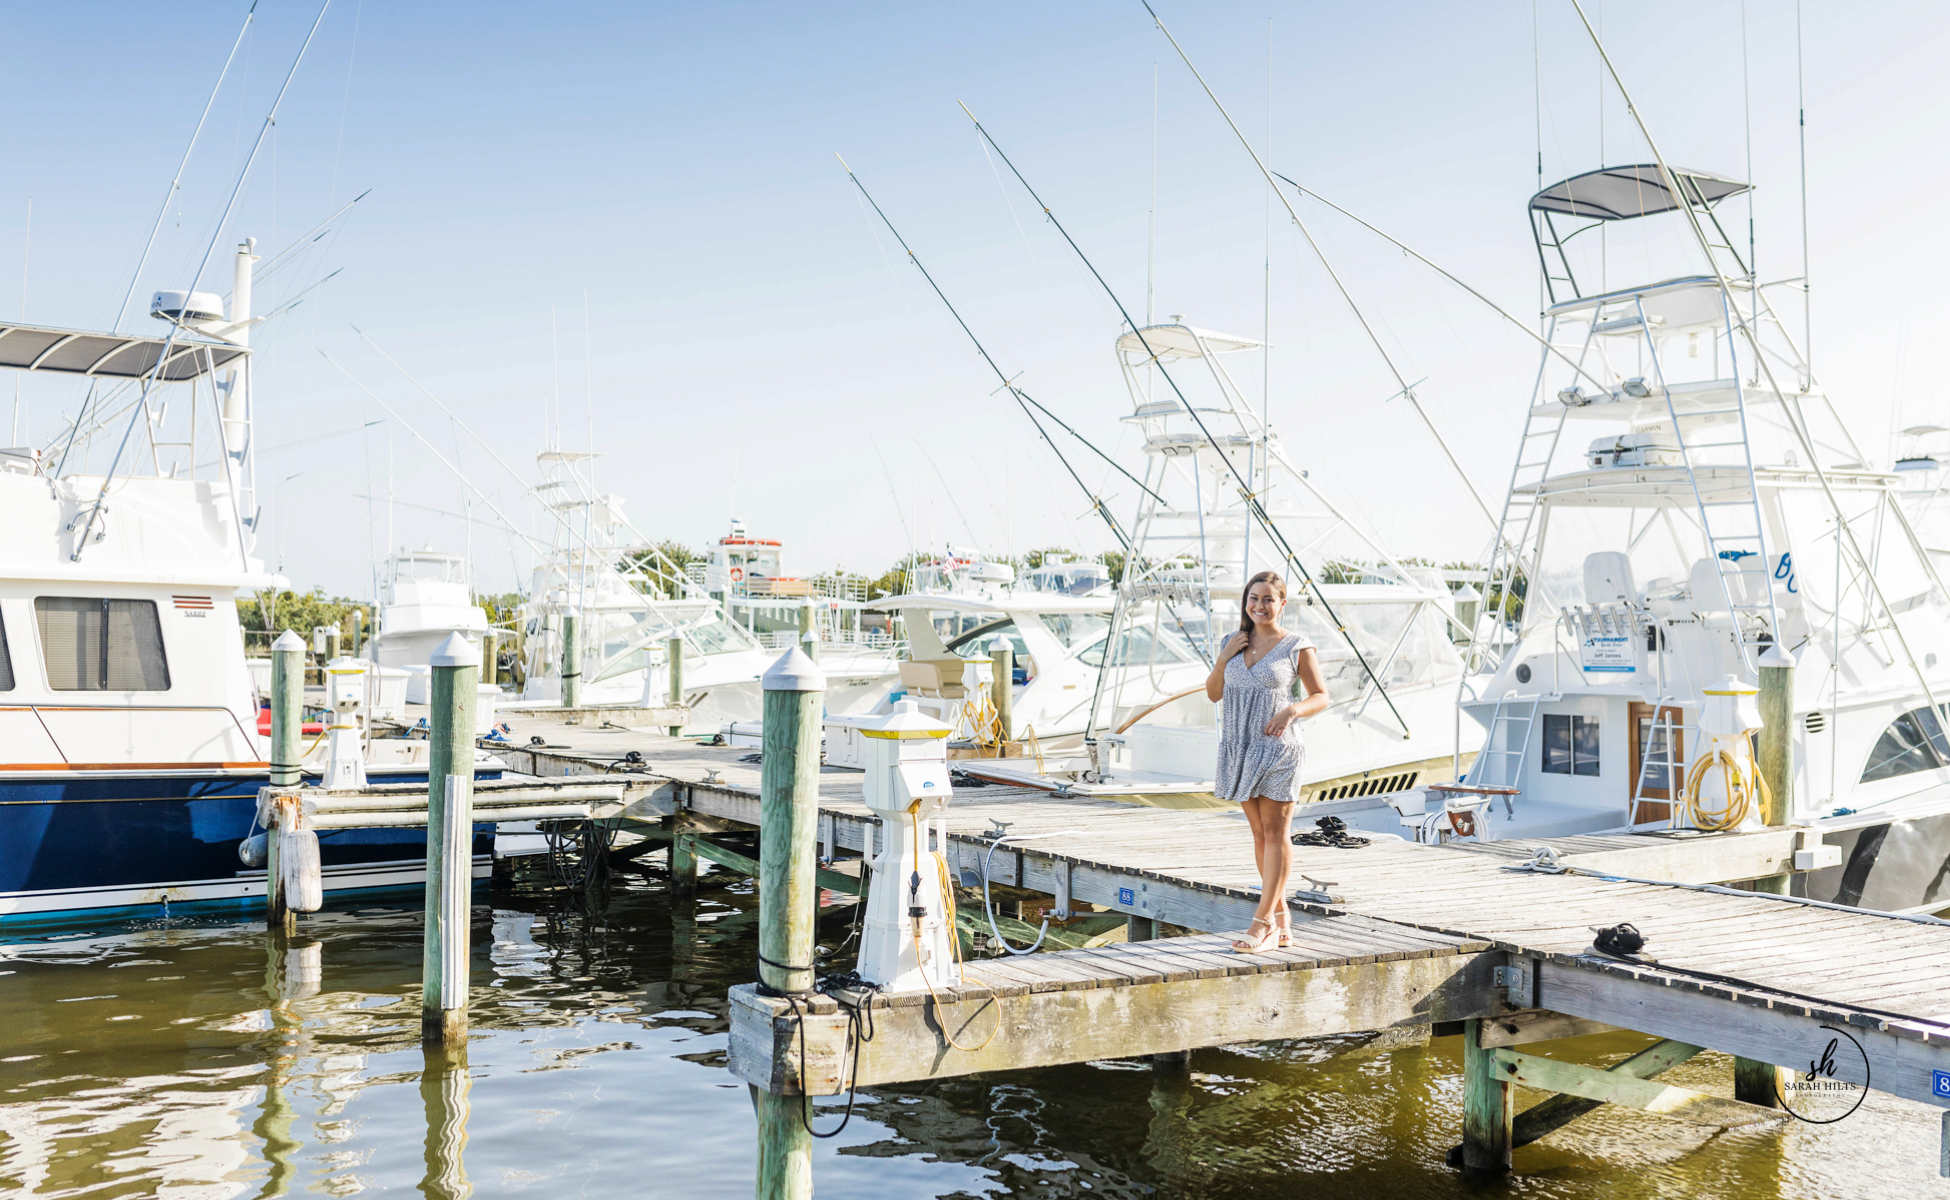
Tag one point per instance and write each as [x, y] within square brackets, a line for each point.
[1260, 751]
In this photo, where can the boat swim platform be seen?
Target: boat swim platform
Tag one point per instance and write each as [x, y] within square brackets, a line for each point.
[1750, 974]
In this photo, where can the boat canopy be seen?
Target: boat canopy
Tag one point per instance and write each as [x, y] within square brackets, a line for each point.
[109, 355]
[1184, 341]
[1621, 193]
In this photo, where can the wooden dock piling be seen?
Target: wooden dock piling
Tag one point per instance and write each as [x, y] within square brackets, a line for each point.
[444, 961]
[808, 639]
[674, 657]
[1774, 749]
[683, 859]
[287, 712]
[1488, 1106]
[788, 897]
[1003, 656]
[571, 659]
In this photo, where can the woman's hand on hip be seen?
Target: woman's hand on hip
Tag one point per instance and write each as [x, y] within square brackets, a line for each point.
[1281, 719]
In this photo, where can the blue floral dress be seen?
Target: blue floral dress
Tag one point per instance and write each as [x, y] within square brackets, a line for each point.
[1250, 763]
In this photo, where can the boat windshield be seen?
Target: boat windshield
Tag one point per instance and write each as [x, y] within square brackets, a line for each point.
[1075, 629]
[1134, 646]
[976, 643]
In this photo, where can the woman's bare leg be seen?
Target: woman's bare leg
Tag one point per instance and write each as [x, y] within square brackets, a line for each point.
[1255, 810]
[1276, 859]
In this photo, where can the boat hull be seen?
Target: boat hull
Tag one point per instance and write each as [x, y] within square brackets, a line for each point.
[1898, 866]
[95, 842]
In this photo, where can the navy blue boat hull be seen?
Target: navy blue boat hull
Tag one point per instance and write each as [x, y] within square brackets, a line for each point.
[92, 842]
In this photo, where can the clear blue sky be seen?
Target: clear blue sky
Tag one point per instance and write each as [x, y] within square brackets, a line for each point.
[755, 347]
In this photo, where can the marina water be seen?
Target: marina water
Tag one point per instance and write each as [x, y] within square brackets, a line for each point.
[148, 1058]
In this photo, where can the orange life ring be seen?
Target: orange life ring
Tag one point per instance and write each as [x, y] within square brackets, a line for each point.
[737, 574]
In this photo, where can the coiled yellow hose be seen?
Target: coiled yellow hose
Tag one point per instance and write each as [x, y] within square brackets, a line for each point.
[1743, 787]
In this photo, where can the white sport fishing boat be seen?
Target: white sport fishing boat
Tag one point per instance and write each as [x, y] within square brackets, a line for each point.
[1689, 518]
[1382, 629]
[629, 600]
[131, 748]
[424, 597]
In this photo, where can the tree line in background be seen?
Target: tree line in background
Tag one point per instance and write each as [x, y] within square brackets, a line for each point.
[262, 618]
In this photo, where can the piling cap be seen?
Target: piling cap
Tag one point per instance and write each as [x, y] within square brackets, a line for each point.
[289, 641]
[1775, 656]
[907, 721]
[456, 651]
[794, 672]
[1732, 685]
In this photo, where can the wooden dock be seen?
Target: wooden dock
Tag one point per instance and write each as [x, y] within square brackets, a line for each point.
[1458, 938]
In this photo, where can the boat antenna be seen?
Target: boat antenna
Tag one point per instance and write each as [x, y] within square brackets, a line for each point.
[176, 327]
[1807, 293]
[565, 522]
[162, 211]
[1022, 397]
[176, 183]
[466, 483]
[1432, 265]
[952, 501]
[1246, 492]
[1401, 380]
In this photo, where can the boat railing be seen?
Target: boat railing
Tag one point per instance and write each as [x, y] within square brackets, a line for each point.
[867, 639]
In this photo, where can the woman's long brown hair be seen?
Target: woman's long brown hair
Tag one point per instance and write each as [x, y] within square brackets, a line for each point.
[1271, 578]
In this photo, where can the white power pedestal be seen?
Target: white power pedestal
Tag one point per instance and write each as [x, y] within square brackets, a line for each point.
[905, 943]
[345, 690]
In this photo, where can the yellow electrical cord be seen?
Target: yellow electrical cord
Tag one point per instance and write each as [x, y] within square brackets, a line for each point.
[948, 904]
[1743, 787]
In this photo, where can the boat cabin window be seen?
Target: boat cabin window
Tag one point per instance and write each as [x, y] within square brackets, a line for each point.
[97, 645]
[6, 661]
[1913, 742]
[1134, 646]
[1570, 744]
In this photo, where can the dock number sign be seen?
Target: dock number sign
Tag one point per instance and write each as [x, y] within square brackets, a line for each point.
[1126, 896]
[1940, 1084]
[1609, 654]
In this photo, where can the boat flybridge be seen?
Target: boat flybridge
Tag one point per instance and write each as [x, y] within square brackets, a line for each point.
[130, 746]
[629, 599]
[1382, 628]
[1688, 519]
[424, 597]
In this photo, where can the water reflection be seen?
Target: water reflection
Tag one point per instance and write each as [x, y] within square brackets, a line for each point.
[208, 1059]
[444, 1084]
